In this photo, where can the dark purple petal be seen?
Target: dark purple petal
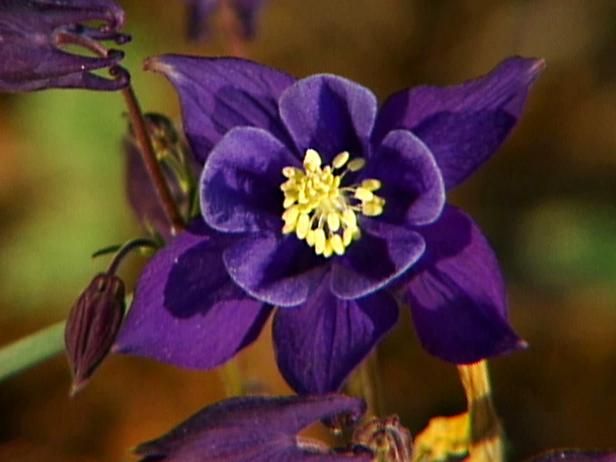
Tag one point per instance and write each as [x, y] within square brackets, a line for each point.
[247, 12]
[33, 34]
[319, 343]
[186, 310]
[279, 270]
[575, 455]
[457, 294]
[218, 94]
[253, 429]
[240, 184]
[329, 114]
[464, 124]
[382, 254]
[411, 181]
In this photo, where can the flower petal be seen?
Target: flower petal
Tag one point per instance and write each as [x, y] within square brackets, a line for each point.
[575, 455]
[457, 293]
[329, 114]
[254, 429]
[382, 253]
[412, 184]
[218, 94]
[186, 310]
[320, 342]
[240, 184]
[279, 270]
[464, 124]
[34, 33]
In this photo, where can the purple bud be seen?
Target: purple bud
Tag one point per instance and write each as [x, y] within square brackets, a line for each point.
[386, 438]
[92, 326]
[34, 35]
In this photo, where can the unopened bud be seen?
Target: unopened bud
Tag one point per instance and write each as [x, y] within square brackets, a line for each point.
[386, 438]
[92, 326]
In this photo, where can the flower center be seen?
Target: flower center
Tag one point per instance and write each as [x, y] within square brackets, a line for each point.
[321, 211]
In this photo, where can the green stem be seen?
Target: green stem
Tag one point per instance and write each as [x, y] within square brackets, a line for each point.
[27, 352]
[365, 383]
[486, 432]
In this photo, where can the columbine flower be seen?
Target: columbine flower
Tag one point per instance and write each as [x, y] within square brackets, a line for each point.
[317, 202]
[576, 455]
[32, 34]
[254, 429]
[198, 13]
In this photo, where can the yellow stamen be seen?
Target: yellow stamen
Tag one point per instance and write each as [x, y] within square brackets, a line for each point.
[322, 212]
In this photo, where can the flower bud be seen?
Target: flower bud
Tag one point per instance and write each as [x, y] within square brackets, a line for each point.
[92, 326]
[37, 36]
[386, 438]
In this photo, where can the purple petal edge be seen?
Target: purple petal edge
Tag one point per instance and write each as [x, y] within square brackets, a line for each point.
[457, 293]
[253, 429]
[463, 125]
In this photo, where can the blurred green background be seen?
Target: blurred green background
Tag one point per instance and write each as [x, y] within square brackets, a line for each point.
[546, 201]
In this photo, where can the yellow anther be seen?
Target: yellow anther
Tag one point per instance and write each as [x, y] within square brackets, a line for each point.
[363, 195]
[356, 164]
[291, 172]
[310, 237]
[341, 159]
[319, 241]
[349, 218]
[337, 244]
[328, 251]
[333, 221]
[371, 209]
[302, 226]
[312, 160]
[347, 236]
[290, 215]
[321, 211]
[371, 184]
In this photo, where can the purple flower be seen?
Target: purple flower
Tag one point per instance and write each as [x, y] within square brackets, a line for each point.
[198, 13]
[254, 429]
[33, 32]
[575, 455]
[319, 203]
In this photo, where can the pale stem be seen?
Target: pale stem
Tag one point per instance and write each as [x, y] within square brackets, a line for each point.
[366, 383]
[31, 350]
[486, 432]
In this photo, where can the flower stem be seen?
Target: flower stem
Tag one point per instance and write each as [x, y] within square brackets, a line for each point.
[31, 350]
[125, 250]
[151, 163]
[486, 432]
[366, 383]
